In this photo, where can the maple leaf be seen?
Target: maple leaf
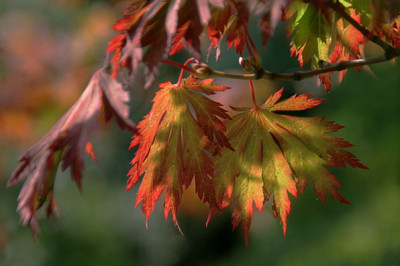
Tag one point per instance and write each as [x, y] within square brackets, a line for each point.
[275, 153]
[313, 37]
[230, 22]
[179, 41]
[363, 8]
[346, 46]
[126, 45]
[189, 27]
[66, 143]
[310, 32]
[310, 29]
[193, 15]
[236, 31]
[216, 27]
[147, 30]
[392, 32]
[173, 140]
[348, 43]
[272, 14]
[115, 46]
[140, 19]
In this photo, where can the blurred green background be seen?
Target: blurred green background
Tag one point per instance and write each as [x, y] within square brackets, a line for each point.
[49, 49]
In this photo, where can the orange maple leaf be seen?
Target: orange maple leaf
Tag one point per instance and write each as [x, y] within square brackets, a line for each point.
[173, 140]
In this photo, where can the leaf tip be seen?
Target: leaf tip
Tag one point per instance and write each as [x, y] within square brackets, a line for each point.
[89, 151]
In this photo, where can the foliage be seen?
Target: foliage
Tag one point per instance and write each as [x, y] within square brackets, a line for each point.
[258, 153]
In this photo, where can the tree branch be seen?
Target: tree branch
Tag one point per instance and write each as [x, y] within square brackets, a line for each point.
[342, 65]
[203, 71]
[341, 11]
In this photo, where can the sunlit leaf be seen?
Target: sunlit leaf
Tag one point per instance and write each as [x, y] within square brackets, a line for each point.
[273, 155]
[173, 141]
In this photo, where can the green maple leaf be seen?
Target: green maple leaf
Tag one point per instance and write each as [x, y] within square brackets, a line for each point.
[310, 30]
[274, 155]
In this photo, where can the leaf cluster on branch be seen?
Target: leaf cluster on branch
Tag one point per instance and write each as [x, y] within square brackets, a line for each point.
[240, 161]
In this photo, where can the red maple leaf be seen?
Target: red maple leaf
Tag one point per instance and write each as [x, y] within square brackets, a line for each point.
[179, 41]
[147, 30]
[139, 20]
[349, 41]
[189, 29]
[216, 27]
[115, 46]
[236, 31]
[65, 143]
[193, 15]
[173, 140]
[272, 14]
[131, 27]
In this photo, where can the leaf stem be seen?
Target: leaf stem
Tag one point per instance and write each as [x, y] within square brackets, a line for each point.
[248, 39]
[248, 48]
[253, 95]
[183, 70]
[176, 64]
[342, 65]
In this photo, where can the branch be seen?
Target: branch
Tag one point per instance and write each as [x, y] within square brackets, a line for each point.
[342, 65]
[203, 71]
[341, 11]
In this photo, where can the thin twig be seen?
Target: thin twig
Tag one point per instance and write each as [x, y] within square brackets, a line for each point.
[342, 65]
[179, 65]
[298, 75]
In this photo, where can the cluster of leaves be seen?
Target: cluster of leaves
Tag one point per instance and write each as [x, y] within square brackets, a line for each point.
[66, 142]
[322, 36]
[241, 160]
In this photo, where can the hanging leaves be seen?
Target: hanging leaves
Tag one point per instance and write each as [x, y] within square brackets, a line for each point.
[258, 154]
[272, 13]
[65, 143]
[148, 29]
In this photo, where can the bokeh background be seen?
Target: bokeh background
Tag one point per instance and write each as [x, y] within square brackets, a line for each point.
[48, 51]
